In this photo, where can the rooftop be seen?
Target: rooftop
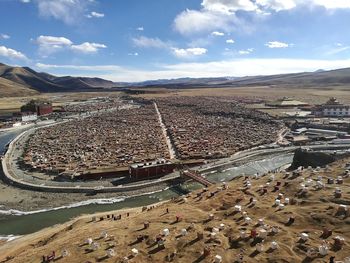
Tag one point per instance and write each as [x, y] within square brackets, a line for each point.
[150, 164]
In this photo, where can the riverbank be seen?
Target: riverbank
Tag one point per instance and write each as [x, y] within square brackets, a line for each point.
[307, 223]
[26, 200]
[13, 240]
[15, 199]
[32, 221]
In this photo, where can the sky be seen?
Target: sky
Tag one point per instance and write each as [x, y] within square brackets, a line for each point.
[137, 40]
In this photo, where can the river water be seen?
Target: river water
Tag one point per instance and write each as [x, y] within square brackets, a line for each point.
[24, 223]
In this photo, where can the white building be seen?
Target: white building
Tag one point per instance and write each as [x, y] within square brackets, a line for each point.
[30, 116]
[332, 108]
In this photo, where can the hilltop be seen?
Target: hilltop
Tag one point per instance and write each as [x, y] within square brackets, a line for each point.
[24, 81]
[307, 219]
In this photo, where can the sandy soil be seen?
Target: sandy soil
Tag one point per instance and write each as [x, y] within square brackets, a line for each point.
[313, 212]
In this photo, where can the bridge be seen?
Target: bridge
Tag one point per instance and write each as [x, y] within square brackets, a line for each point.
[194, 175]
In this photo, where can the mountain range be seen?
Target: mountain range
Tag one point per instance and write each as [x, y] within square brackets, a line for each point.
[22, 81]
[16, 81]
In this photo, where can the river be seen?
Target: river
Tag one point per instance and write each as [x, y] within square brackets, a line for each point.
[24, 223]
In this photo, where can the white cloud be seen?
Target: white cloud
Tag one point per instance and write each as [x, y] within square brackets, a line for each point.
[223, 14]
[25, 1]
[147, 42]
[11, 53]
[95, 14]
[200, 42]
[68, 11]
[337, 50]
[237, 68]
[228, 6]
[87, 47]
[183, 53]
[277, 44]
[246, 51]
[50, 44]
[140, 28]
[188, 52]
[277, 5]
[217, 34]
[4, 36]
[332, 4]
[201, 21]
[107, 68]
[50, 40]
[280, 5]
[230, 41]
[133, 54]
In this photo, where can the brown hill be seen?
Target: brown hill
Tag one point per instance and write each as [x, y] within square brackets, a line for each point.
[9, 88]
[16, 79]
[214, 225]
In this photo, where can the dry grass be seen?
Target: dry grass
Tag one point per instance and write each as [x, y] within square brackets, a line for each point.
[310, 95]
[12, 89]
[313, 212]
[314, 95]
[8, 105]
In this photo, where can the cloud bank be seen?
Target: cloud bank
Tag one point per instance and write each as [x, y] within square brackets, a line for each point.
[236, 68]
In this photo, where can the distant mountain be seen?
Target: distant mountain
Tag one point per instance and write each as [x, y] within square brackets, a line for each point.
[319, 78]
[16, 80]
[338, 77]
[21, 81]
[319, 70]
[183, 81]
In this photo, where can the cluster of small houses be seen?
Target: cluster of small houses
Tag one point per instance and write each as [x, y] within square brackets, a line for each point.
[199, 129]
[106, 142]
[205, 128]
[102, 142]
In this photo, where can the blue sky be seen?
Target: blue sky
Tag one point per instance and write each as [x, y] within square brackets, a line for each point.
[135, 40]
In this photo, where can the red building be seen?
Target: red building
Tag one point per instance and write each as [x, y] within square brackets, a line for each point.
[153, 169]
[44, 109]
[39, 107]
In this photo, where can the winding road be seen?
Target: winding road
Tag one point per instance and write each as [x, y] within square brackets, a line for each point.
[12, 174]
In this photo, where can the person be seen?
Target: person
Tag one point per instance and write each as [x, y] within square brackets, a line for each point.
[240, 258]
[253, 233]
[331, 259]
[167, 210]
[291, 220]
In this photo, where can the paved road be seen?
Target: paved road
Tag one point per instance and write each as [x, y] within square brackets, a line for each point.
[165, 133]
